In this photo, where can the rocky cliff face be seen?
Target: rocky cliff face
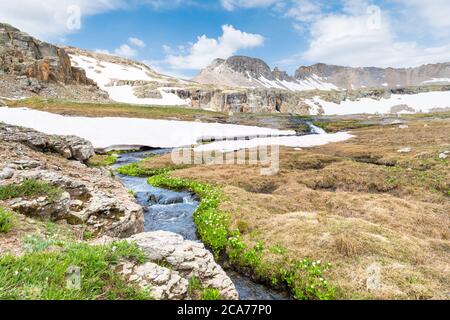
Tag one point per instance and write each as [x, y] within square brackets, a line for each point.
[29, 67]
[23, 55]
[273, 100]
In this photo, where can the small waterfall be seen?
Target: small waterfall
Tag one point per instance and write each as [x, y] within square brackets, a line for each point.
[316, 129]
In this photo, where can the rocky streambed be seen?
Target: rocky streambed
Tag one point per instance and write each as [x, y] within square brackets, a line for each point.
[171, 211]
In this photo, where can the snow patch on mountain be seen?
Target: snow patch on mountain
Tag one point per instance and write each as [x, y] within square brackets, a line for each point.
[107, 75]
[437, 80]
[397, 103]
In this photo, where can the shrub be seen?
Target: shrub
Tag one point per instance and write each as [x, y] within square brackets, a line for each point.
[103, 160]
[6, 220]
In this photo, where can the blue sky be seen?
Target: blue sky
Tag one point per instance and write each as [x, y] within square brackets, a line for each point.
[182, 36]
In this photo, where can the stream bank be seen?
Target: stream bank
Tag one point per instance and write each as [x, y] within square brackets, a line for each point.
[172, 211]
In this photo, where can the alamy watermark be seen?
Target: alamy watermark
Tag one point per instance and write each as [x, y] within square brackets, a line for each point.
[236, 152]
[73, 21]
[374, 18]
[73, 278]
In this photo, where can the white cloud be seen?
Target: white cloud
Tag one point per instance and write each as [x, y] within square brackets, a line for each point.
[230, 5]
[136, 42]
[435, 13]
[102, 51]
[304, 10]
[49, 19]
[205, 50]
[52, 19]
[125, 51]
[357, 40]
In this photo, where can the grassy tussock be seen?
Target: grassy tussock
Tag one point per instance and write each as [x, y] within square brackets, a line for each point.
[42, 275]
[29, 188]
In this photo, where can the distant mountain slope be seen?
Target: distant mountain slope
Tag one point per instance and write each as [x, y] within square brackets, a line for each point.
[246, 72]
[127, 80]
[357, 78]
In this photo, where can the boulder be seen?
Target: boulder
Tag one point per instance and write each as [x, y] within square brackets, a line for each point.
[404, 150]
[24, 56]
[163, 283]
[6, 173]
[70, 147]
[189, 258]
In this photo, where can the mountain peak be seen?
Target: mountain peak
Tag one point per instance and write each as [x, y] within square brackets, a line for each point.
[253, 67]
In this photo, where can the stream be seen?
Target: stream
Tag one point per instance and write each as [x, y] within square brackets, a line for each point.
[173, 211]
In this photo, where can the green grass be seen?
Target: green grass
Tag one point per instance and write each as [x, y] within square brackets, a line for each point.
[341, 125]
[197, 291]
[6, 220]
[29, 188]
[212, 223]
[43, 275]
[305, 278]
[135, 170]
[211, 294]
[103, 160]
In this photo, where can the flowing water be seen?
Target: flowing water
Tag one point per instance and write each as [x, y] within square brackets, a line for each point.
[173, 211]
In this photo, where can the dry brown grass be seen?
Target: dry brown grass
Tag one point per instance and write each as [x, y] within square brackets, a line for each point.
[354, 204]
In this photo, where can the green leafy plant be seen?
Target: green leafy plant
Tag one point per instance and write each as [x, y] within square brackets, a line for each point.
[6, 220]
[210, 294]
[212, 223]
[306, 280]
[38, 243]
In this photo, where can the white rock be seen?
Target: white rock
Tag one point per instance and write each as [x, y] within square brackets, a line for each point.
[404, 150]
[188, 258]
[6, 173]
[163, 283]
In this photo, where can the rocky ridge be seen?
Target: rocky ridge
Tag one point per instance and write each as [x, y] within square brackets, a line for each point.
[371, 77]
[241, 71]
[29, 66]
